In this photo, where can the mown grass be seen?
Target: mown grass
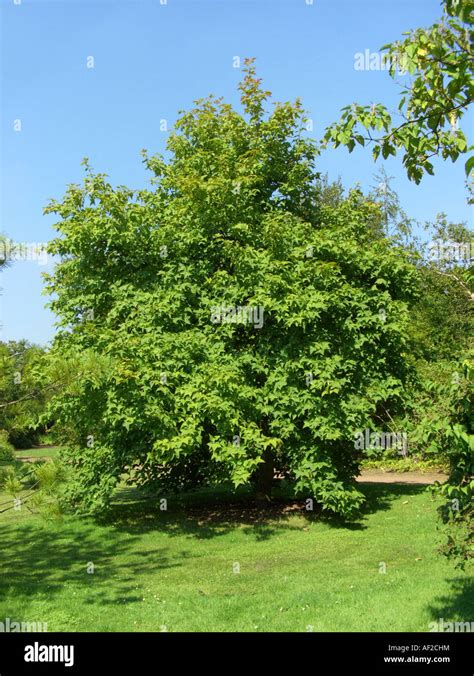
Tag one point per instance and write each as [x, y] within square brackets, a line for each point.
[210, 563]
[38, 452]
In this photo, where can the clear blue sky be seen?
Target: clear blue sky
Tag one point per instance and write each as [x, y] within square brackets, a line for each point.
[152, 60]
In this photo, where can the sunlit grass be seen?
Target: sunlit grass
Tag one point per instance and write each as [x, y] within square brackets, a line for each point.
[216, 565]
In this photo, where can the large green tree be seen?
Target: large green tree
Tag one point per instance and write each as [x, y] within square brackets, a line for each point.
[228, 322]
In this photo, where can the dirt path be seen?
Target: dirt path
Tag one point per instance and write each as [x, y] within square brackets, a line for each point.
[366, 476]
[379, 476]
[36, 458]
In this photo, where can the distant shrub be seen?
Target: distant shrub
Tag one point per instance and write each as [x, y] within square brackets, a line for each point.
[6, 449]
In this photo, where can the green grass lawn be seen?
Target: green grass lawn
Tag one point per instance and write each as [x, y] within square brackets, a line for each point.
[178, 569]
[38, 452]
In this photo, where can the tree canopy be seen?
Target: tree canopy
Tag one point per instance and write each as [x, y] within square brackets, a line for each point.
[227, 322]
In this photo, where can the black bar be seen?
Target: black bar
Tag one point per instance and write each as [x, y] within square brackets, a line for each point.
[323, 653]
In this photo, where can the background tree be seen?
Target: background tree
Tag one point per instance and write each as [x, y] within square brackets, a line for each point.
[431, 109]
[457, 511]
[22, 398]
[432, 105]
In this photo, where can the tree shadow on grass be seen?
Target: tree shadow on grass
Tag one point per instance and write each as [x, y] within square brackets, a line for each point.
[205, 521]
[458, 604]
[40, 559]
[207, 516]
[379, 496]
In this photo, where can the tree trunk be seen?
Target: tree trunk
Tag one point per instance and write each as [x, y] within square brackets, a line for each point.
[264, 477]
